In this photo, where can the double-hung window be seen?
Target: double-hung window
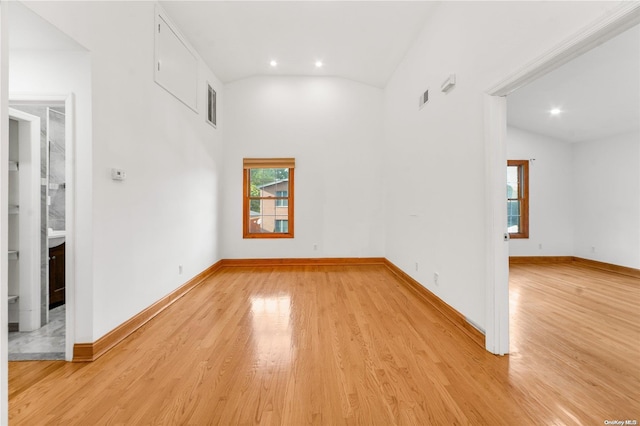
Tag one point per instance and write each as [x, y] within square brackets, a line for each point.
[268, 197]
[518, 198]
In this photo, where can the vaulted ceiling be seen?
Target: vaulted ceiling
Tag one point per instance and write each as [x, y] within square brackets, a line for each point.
[358, 40]
[598, 92]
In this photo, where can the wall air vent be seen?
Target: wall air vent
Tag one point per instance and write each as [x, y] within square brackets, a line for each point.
[424, 98]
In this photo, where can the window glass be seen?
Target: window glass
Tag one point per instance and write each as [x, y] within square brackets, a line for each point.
[518, 198]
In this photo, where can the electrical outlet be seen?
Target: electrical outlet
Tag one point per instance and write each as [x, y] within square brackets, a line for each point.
[180, 269]
[593, 249]
[315, 247]
[540, 246]
[118, 174]
[436, 278]
[416, 266]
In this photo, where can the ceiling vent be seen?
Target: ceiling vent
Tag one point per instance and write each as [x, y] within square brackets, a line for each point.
[424, 98]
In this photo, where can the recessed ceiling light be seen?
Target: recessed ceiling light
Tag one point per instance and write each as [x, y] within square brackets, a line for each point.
[273, 63]
[555, 111]
[318, 64]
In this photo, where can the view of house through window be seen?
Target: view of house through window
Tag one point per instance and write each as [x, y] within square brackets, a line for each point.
[268, 198]
[282, 202]
[518, 198]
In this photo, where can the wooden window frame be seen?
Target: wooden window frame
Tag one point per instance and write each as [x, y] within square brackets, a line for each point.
[267, 163]
[523, 197]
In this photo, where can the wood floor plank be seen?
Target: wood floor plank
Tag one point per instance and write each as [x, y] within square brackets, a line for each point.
[578, 329]
[347, 345]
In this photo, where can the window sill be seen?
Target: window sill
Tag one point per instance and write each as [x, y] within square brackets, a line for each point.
[273, 235]
[518, 236]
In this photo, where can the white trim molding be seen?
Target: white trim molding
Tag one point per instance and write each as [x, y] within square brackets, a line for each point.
[616, 22]
[497, 246]
[4, 210]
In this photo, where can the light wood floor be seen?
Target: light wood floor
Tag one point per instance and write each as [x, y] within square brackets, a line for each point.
[332, 345]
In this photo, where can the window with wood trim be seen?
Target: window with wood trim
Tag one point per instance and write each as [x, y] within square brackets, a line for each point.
[268, 197]
[518, 198]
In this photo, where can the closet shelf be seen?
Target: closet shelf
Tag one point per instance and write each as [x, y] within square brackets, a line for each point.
[13, 209]
[13, 166]
[13, 298]
[13, 254]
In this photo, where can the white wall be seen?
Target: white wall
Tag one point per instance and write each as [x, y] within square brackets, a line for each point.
[434, 158]
[166, 212]
[550, 194]
[584, 197]
[333, 128]
[607, 200]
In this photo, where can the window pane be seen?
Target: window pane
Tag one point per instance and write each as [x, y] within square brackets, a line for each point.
[282, 203]
[280, 186]
[269, 183]
[282, 225]
[268, 223]
[268, 206]
[255, 220]
[269, 179]
[513, 216]
[512, 181]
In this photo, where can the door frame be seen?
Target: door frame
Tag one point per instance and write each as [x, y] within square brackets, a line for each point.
[610, 25]
[4, 211]
[70, 288]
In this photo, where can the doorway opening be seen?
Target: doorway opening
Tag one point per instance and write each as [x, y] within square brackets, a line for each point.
[584, 161]
[49, 69]
[497, 294]
[42, 293]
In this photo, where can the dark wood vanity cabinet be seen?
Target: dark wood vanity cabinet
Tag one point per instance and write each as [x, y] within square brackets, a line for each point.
[56, 276]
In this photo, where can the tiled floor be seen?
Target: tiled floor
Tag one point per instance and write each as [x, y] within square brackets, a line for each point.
[48, 342]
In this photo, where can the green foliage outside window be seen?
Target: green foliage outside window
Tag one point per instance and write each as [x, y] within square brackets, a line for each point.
[261, 177]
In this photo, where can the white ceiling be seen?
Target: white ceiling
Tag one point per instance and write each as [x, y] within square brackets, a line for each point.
[28, 31]
[358, 40]
[598, 92]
